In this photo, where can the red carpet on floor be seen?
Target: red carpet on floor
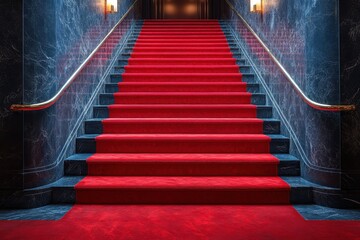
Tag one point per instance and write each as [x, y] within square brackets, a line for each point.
[139, 222]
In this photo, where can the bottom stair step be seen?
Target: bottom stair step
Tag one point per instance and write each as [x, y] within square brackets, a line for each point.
[182, 190]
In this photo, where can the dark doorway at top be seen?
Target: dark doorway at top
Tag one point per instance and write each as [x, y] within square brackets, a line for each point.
[180, 9]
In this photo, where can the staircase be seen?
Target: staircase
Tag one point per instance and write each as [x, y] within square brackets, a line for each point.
[182, 121]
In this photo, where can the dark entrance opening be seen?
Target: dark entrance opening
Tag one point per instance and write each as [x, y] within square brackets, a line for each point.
[180, 9]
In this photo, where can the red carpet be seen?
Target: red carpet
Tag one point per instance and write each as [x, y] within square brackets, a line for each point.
[182, 129]
[139, 222]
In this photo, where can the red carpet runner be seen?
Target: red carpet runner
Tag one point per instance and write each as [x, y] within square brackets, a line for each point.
[182, 129]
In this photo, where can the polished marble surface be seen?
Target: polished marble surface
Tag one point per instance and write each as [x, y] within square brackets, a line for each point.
[304, 36]
[350, 92]
[49, 212]
[70, 30]
[316, 212]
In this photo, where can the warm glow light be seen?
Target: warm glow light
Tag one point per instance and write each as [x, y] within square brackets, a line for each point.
[170, 9]
[111, 6]
[191, 9]
[256, 6]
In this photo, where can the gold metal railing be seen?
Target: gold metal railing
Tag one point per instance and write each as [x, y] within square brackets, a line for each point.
[306, 99]
[57, 96]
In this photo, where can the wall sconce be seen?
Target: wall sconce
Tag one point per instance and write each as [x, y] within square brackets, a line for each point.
[111, 6]
[256, 6]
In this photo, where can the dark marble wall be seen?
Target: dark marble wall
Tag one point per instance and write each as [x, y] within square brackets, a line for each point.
[350, 92]
[11, 52]
[58, 37]
[304, 36]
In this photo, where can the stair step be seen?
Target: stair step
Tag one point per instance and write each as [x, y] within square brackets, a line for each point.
[181, 87]
[182, 61]
[181, 69]
[151, 164]
[182, 190]
[182, 111]
[180, 34]
[219, 37]
[182, 98]
[182, 77]
[184, 40]
[182, 49]
[182, 143]
[182, 125]
[179, 29]
[186, 44]
[184, 54]
[301, 191]
[182, 165]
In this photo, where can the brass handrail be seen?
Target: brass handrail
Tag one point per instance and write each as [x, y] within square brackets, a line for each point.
[306, 99]
[56, 97]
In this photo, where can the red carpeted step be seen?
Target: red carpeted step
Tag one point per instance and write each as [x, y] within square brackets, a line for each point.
[192, 54]
[183, 125]
[182, 98]
[182, 24]
[182, 33]
[182, 86]
[182, 110]
[187, 37]
[181, 49]
[210, 29]
[182, 69]
[184, 44]
[175, 40]
[182, 77]
[182, 190]
[146, 164]
[182, 143]
[181, 61]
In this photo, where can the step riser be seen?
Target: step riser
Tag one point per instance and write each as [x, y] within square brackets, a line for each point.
[182, 45]
[268, 127]
[116, 78]
[196, 128]
[170, 69]
[222, 38]
[169, 196]
[181, 146]
[103, 112]
[182, 70]
[177, 146]
[159, 61]
[182, 41]
[80, 168]
[122, 99]
[182, 169]
[182, 55]
[180, 49]
[175, 78]
[112, 88]
[67, 195]
[178, 113]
